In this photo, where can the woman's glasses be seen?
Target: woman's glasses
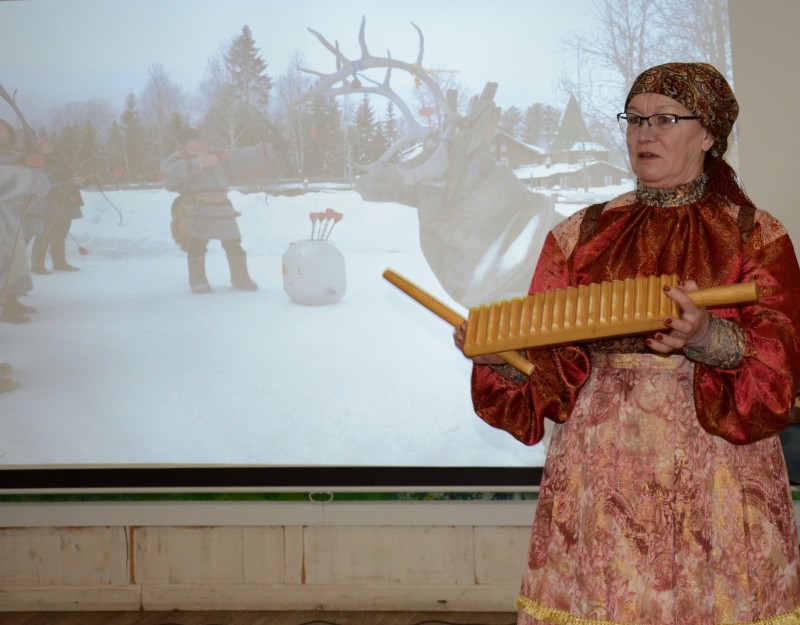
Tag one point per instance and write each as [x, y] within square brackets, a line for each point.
[661, 121]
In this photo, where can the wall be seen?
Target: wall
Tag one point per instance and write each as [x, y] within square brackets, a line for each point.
[428, 556]
[764, 47]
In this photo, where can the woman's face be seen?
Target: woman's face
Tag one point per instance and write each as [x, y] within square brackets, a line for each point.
[663, 158]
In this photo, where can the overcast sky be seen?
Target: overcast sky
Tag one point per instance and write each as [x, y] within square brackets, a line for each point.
[60, 50]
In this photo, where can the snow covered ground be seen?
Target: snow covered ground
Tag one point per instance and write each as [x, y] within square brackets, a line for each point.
[122, 364]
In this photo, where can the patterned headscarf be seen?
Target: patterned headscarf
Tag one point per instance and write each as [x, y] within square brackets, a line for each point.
[701, 89]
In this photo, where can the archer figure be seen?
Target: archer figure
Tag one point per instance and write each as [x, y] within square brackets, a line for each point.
[61, 205]
[21, 176]
[203, 211]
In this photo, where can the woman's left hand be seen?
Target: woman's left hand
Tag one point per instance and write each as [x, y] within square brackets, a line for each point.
[692, 329]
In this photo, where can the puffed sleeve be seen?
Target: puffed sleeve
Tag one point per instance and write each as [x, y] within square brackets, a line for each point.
[20, 180]
[753, 399]
[178, 170]
[241, 161]
[520, 407]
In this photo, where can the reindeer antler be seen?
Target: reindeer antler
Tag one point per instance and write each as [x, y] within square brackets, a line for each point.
[346, 80]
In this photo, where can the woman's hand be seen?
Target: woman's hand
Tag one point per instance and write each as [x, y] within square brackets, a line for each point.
[489, 359]
[692, 329]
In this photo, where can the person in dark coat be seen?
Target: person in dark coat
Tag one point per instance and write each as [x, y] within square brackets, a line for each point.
[202, 211]
[61, 205]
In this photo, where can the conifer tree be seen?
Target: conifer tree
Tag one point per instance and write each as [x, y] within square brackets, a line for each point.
[363, 133]
[88, 145]
[237, 90]
[390, 127]
[511, 122]
[323, 152]
[246, 69]
[174, 128]
[68, 141]
[115, 151]
[541, 125]
[134, 141]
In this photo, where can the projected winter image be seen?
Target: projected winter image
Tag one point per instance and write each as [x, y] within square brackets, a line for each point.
[215, 294]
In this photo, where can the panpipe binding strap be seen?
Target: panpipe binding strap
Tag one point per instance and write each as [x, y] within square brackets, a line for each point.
[587, 312]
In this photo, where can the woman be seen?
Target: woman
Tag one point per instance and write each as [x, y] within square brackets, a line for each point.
[664, 497]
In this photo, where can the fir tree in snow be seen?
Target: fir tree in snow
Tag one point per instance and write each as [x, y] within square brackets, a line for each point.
[324, 156]
[68, 141]
[115, 148]
[134, 143]
[237, 93]
[541, 125]
[511, 122]
[79, 130]
[390, 126]
[247, 70]
[177, 124]
[367, 143]
[88, 144]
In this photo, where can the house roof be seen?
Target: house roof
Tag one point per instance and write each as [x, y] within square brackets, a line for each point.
[533, 148]
[545, 171]
[585, 146]
[573, 130]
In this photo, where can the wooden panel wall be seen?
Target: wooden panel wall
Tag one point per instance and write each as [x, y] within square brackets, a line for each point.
[447, 568]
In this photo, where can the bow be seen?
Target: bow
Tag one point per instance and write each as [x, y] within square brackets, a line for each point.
[31, 144]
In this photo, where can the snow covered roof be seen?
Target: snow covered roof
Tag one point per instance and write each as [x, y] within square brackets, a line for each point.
[533, 148]
[545, 171]
[583, 146]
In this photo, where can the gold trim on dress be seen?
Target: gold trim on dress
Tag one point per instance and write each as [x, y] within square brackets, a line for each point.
[560, 617]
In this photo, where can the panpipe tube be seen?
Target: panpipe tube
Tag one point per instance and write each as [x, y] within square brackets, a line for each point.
[440, 309]
[588, 312]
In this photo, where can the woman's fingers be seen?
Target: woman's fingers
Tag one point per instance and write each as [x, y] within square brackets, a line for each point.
[690, 328]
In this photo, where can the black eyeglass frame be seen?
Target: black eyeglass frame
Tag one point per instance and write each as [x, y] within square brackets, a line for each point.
[642, 119]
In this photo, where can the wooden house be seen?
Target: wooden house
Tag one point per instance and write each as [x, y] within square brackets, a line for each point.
[573, 162]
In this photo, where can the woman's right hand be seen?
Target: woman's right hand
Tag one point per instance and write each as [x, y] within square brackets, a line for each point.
[460, 334]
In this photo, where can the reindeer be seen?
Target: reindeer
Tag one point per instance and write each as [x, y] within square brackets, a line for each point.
[480, 228]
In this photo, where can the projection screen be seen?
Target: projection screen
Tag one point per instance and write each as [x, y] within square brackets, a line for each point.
[125, 378]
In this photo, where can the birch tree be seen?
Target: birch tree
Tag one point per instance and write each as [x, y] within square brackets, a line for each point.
[160, 101]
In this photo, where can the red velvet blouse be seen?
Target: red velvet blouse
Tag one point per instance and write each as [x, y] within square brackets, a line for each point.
[699, 237]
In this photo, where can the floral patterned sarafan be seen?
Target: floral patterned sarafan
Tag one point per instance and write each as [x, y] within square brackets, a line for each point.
[664, 497]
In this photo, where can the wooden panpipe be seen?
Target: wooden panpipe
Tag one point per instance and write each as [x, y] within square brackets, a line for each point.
[586, 313]
[439, 308]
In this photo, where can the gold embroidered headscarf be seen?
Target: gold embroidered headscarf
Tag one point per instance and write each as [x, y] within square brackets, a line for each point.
[701, 89]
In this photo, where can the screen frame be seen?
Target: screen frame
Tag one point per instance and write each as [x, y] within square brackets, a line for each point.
[289, 479]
